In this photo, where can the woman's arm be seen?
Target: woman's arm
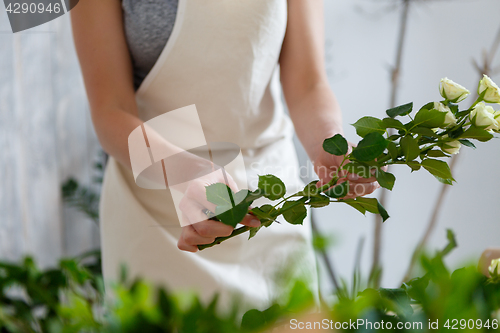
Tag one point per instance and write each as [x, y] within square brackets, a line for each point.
[312, 105]
[107, 71]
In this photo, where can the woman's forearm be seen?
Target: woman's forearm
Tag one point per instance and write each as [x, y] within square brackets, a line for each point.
[113, 128]
[316, 116]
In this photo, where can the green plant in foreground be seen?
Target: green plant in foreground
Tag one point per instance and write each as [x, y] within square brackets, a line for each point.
[70, 298]
[31, 299]
[437, 130]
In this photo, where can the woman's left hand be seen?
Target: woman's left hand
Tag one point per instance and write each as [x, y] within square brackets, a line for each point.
[326, 166]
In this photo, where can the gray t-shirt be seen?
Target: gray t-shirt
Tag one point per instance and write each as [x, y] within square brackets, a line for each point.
[148, 25]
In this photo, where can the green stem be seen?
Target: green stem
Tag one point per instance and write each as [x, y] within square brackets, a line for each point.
[244, 229]
[328, 185]
[384, 159]
[285, 199]
[479, 99]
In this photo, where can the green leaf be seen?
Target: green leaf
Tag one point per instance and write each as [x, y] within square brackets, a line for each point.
[294, 212]
[336, 145]
[253, 232]
[400, 301]
[272, 187]
[410, 148]
[393, 150]
[428, 106]
[356, 206]
[370, 147]
[425, 131]
[367, 125]
[393, 123]
[429, 118]
[319, 201]
[453, 107]
[301, 298]
[240, 196]
[401, 110]
[439, 169]
[232, 215]
[263, 212]
[338, 191]
[444, 180]
[220, 194]
[477, 134]
[252, 196]
[310, 189]
[358, 169]
[385, 179]
[255, 320]
[394, 137]
[370, 204]
[321, 242]
[452, 243]
[462, 113]
[456, 133]
[467, 143]
[436, 153]
[383, 213]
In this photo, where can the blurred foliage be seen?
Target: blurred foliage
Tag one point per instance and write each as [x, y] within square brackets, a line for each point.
[70, 298]
[85, 198]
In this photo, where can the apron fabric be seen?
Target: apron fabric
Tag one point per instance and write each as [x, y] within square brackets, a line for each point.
[222, 57]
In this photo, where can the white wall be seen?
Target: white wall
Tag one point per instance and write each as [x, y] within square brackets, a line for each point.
[443, 38]
[46, 136]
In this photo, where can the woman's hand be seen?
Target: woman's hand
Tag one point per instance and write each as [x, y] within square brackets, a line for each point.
[326, 166]
[199, 229]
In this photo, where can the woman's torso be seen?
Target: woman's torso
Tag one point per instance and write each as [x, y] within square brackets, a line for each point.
[222, 56]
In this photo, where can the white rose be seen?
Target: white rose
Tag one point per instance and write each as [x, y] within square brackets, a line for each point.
[484, 116]
[449, 119]
[494, 267]
[452, 91]
[497, 118]
[452, 147]
[492, 94]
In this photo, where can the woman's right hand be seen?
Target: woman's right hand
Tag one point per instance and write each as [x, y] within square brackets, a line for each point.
[198, 229]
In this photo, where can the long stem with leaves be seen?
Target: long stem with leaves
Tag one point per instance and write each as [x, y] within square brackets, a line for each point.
[436, 131]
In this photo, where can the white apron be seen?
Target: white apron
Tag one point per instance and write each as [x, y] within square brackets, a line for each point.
[222, 56]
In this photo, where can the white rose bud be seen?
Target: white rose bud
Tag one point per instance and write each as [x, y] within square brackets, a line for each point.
[449, 119]
[452, 147]
[492, 94]
[452, 91]
[494, 267]
[484, 116]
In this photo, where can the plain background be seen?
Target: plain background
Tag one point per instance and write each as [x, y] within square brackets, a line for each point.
[46, 134]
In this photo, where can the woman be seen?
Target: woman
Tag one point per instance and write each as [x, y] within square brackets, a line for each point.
[222, 56]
